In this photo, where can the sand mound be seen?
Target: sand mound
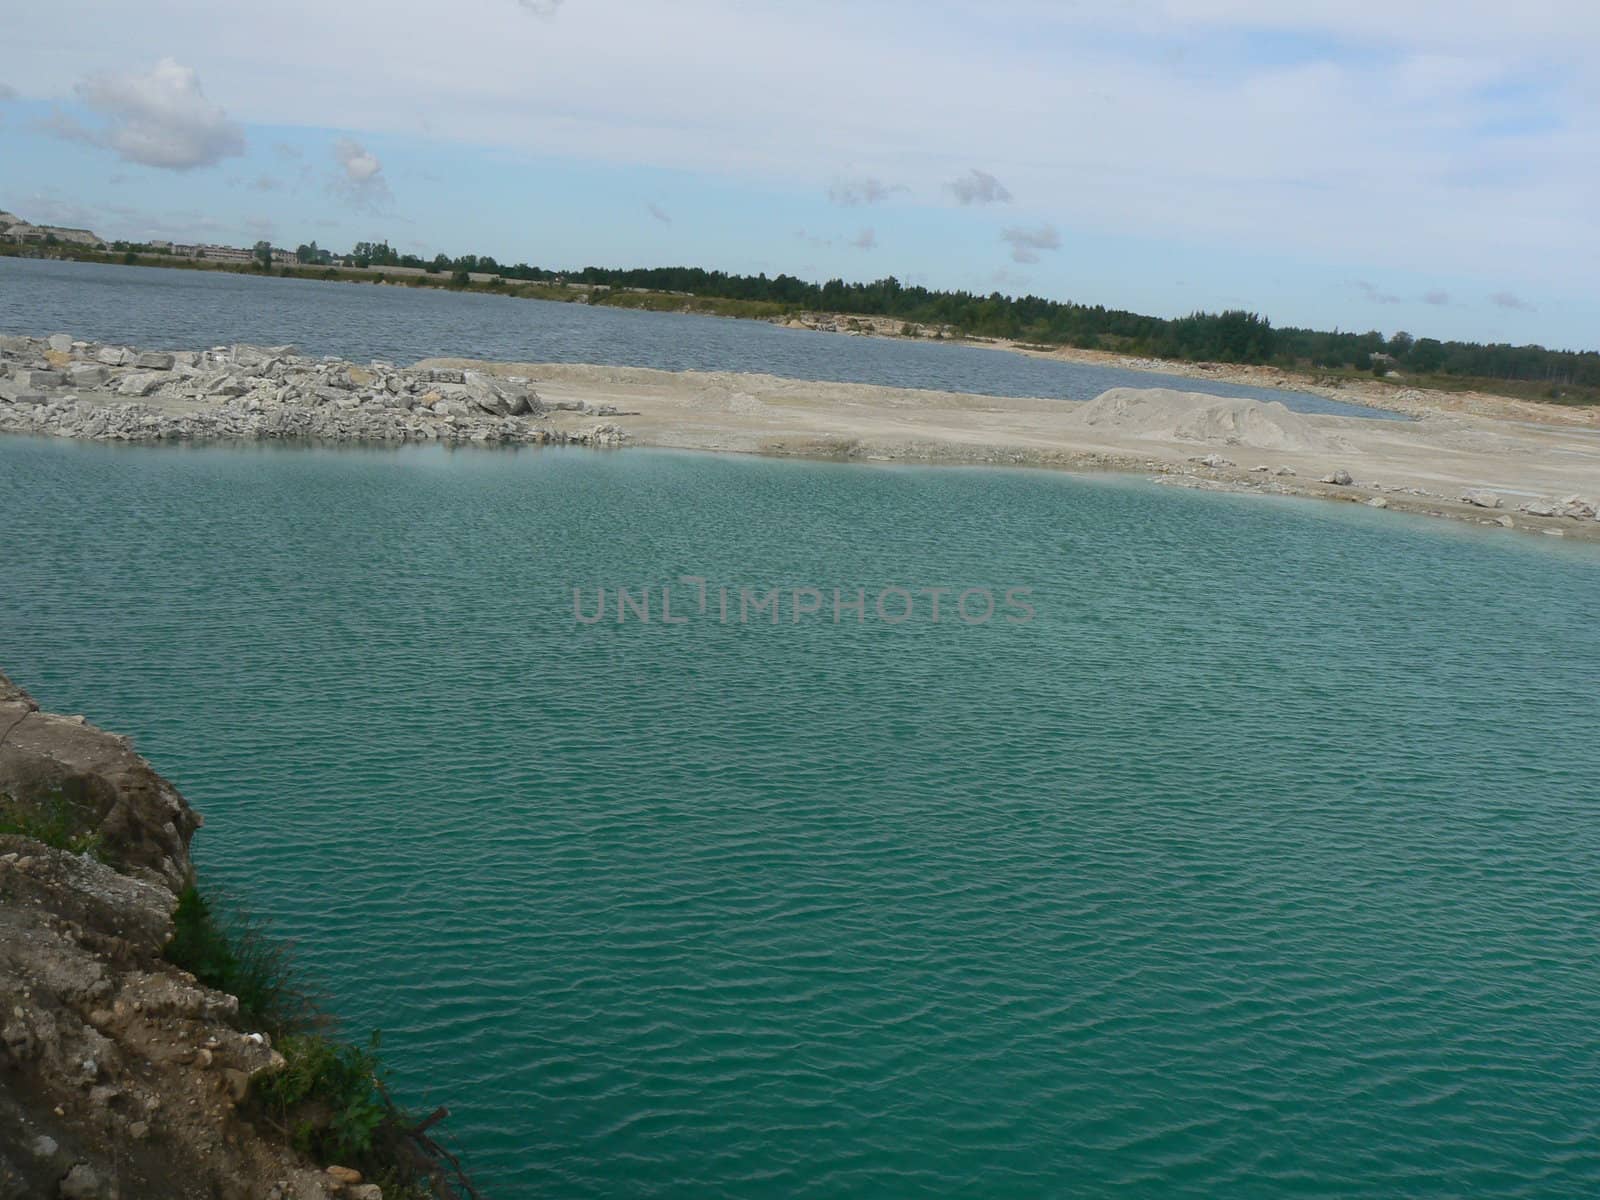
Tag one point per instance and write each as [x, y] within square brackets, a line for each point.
[1168, 415]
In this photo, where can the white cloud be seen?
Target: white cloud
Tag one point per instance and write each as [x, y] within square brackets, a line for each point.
[540, 8]
[1438, 298]
[1026, 244]
[159, 119]
[867, 239]
[360, 178]
[979, 187]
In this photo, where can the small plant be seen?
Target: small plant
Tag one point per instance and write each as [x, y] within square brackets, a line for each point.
[328, 1096]
[235, 954]
[53, 820]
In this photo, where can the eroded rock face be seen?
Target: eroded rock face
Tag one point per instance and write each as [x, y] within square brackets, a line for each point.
[120, 1075]
[141, 823]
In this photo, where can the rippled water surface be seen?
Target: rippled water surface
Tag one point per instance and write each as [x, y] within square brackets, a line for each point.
[1265, 862]
[147, 306]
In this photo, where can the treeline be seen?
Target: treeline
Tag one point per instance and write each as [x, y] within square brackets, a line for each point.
[1233, 337]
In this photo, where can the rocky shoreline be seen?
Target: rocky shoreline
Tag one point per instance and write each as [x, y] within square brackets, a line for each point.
[121, 1075]
[63, 387]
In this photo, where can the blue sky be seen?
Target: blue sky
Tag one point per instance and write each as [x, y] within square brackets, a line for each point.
[1427, 165]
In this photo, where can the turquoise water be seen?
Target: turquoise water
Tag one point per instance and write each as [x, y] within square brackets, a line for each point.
[1262, 863]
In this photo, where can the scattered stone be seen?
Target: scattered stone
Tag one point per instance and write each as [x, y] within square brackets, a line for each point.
[44, 1147]
[81, 1183]
[1540, 508]
[364, 1191]
[1481, 499]
[1341, 478]
[1506, 521]
[1212, 460]
[1377, 502]
[345, 1175]
[1284, 471]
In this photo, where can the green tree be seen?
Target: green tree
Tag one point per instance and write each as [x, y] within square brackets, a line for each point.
[263, 254]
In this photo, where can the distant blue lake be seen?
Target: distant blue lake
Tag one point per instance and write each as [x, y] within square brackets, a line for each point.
[169, 309]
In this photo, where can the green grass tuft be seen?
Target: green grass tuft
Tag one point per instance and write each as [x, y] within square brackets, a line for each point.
[53, 820]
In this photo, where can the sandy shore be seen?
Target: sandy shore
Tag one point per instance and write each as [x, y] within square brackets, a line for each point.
[1392, 394]
[1422, 465]
[1521, 466]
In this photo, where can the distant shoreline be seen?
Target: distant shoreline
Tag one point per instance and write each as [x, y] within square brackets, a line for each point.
[1401, 395]
[1482, 469]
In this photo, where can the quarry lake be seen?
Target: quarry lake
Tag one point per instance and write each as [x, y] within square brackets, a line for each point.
[154, 308]
[1261, 863]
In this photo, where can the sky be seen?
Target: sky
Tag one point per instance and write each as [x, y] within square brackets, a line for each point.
[1427, 165]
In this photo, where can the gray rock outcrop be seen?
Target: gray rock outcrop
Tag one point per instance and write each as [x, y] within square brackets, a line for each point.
[244, 392]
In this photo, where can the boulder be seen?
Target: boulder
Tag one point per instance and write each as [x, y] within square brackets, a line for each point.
[1208, 460]
[12, 394]
[154, 360]
[1377, 502]
[113, 356]
[138, 385]
[486, 394]
[60, 342]
[1340, 478]
[35, 380]
[86, 375]
[1481, 499]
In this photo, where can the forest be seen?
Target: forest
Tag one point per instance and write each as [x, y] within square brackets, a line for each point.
[1232, 337]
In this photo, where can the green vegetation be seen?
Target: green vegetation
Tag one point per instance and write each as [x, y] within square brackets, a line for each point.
[330, 1099]
[53, 819]
[1236, 336]
[328, 1096]
[235, 955]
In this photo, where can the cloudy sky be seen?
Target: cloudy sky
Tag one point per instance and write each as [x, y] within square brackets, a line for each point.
[1432, 165]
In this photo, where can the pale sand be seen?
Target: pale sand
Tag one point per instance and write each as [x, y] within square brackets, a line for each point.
[1422, 465]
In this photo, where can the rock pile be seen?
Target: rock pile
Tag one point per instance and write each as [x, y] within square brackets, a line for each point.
[67, 388]
[1578, 508]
